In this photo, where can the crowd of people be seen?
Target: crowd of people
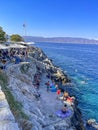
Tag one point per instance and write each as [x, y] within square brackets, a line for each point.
[52, 86]
[65, 98]
[18, 55]
[14, 55]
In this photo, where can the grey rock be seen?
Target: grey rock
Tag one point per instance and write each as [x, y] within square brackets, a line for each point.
[92, 123]
[41, 112]
[7, 120]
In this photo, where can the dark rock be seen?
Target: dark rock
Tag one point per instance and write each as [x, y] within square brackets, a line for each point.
[92, 124]
[26, 125]
[77, 121]
[62, 79]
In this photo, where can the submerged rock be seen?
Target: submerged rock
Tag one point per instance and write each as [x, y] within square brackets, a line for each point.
[92, 123]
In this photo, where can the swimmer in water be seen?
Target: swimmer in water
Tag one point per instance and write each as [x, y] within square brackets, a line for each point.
[76, 70]
[83, 82]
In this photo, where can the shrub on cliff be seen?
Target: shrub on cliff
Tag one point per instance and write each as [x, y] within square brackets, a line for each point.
[16, 38]
[2, 35]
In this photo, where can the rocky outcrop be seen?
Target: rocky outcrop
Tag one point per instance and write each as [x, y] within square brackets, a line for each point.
[40, 111]
[54, 72]
[39, 105]
[7, 120]
[92, 124]
[76, 119]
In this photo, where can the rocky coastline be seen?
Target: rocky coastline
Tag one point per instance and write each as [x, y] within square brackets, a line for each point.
[38, 107]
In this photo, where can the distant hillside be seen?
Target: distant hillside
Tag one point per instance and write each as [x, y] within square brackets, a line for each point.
[60, 40]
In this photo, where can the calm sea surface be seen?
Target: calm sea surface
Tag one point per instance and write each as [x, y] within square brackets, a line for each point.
[80, 62]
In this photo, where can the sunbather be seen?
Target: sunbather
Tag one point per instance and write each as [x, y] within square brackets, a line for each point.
[65, 95]
[64, 109]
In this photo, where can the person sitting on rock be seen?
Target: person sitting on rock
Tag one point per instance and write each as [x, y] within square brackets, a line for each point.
[64, 109]
[58, 92]
[63, 81]
[37, 95]
[69, 101]
[65, 96]
[37, 84]
[48, 76]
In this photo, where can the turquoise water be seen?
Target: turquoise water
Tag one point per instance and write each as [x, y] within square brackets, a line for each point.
[80, 62]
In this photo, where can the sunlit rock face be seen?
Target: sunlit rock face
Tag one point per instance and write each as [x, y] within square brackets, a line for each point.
[7, 120]
[38, 104]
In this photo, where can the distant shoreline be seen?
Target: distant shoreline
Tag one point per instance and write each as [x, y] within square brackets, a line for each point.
[65, 40]
[70, 43]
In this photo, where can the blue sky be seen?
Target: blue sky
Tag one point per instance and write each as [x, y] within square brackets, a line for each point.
[50, 18]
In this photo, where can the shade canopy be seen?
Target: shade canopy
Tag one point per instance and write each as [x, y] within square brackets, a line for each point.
[3, 46]
[16, 46]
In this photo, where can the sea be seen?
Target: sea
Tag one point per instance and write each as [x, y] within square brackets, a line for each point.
[80, 63]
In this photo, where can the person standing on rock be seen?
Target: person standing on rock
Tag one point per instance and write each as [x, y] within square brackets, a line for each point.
[48, 86]
[64, 109]
[58, 92]
[52, 85]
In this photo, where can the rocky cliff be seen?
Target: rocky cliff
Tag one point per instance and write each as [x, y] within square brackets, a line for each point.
[34, 108]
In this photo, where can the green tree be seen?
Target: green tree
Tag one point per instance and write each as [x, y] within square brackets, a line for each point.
[2, 35]
[16, 38]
